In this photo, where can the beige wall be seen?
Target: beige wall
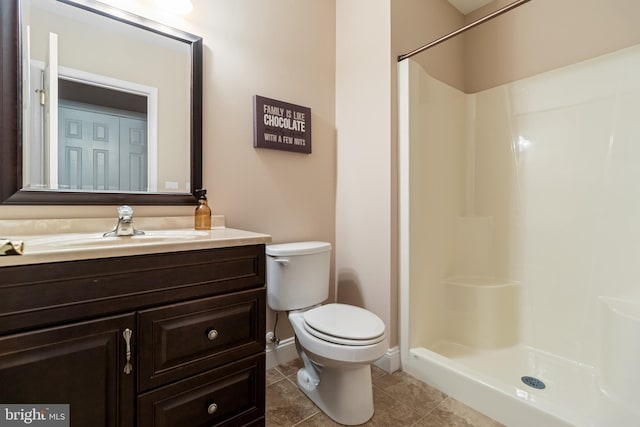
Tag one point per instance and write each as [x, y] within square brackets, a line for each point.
[418, 22]
[366, 198]
[363, 213]
[543, 35]
[283, 49]
[538, 36]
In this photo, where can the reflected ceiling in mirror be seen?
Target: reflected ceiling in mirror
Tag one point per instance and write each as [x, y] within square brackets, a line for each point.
[111, 107]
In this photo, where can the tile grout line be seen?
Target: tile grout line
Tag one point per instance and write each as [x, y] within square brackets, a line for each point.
[308, 418]
[434, 408]
[286, 377]
[295, 383]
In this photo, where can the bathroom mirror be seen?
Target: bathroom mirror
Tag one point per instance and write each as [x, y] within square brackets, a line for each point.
[99, 106]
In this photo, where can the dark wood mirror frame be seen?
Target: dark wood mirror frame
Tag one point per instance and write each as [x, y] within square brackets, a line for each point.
[11, 192]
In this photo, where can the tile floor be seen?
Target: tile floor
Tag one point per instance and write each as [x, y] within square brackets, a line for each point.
[399, 399]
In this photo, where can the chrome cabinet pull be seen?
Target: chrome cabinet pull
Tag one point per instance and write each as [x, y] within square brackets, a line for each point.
[211, 409]
[127, 339]
[212, 334]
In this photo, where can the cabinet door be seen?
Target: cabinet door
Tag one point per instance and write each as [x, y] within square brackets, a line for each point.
[81, 364]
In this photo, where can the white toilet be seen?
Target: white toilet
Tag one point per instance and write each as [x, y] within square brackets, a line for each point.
[336, 342]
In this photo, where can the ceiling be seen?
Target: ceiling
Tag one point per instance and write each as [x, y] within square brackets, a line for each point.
[466, 6]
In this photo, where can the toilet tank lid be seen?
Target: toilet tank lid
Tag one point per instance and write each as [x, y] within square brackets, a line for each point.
[297, 248]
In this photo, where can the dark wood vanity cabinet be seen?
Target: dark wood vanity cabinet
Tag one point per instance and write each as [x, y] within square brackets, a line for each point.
[78, 364]
[196, 351]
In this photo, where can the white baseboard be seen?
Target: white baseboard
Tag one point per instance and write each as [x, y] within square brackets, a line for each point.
[390, 362]
[285, 352]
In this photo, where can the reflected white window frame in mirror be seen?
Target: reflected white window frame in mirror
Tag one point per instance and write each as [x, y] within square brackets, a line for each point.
[11, 121]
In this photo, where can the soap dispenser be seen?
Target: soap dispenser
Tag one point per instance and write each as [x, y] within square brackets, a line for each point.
[203, 211]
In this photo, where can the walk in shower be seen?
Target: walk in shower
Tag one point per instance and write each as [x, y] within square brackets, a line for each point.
[520, 216]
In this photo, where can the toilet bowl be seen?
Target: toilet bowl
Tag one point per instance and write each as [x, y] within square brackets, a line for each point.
[337, 376]
[336, 342]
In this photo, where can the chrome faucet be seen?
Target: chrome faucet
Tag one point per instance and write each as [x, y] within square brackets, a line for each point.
[124, 227]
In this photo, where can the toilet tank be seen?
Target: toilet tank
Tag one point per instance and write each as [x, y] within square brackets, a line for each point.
[297, 274]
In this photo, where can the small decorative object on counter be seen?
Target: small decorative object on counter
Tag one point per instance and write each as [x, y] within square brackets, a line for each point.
[203, 211]
[11, 247]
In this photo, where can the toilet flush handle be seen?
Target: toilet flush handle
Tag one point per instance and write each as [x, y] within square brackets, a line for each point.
[282, 261]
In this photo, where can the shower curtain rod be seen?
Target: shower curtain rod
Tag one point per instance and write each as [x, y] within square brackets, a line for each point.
[475, 23]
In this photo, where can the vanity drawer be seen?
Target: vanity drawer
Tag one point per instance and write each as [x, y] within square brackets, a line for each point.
[183, 339]
[53, 293]
[233, 395]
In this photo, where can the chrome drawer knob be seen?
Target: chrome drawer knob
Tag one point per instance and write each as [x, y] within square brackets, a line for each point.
[212, 409]
[212, 334]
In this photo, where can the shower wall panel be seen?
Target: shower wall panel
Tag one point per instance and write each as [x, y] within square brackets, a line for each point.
[579, 192]
[436, 196]
[552, 160]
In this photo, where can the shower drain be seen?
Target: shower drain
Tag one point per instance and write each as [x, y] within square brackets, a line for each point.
[533, 382]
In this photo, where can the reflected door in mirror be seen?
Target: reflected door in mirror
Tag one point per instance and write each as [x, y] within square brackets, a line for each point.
[101, 150]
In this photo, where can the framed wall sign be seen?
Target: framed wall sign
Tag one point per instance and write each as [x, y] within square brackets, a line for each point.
[281, 126]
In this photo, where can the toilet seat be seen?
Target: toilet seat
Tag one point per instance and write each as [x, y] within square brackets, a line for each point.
[344, 324]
